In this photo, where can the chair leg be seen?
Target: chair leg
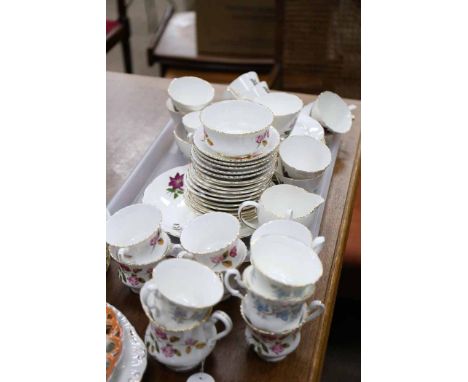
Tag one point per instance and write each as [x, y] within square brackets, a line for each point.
[127, 55]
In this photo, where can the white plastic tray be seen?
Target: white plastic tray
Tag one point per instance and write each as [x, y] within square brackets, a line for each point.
[163, 154]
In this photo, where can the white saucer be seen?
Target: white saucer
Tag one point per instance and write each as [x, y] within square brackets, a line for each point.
[133, 359]
[175, 212]
[230, 262]
[273, 143]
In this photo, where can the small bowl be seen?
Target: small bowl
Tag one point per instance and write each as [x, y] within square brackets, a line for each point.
[332, 112]
[304, 157]
[236, 128]
[190, 93]
[175, 114]
[184, 145]
[285, 108]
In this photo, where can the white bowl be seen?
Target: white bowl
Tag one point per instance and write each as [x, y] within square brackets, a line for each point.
[190, 93]
[332, 112]
[304, 157]
[285, 108]
[236, 128]
[184, 145]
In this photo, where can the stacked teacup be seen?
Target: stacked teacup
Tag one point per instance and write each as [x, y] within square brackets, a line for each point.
[279, 285]
[213, 240]
[179, 302]
[136, 243]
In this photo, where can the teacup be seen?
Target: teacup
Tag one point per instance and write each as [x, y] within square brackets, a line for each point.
[190, 93]
[304, 157]
[306, 125]
[332, 112]
[283, 201]
[236, 128]
[182, 141]
[285, 267]
[289, 228]
[184, 350]
[276, 315]
[134, 275]
[311, 185]
[209, 238]
[285, 108]
[242, 84]
[258, 90]
[132, 233]
[176, 115]
[181, 293]
[191, 122]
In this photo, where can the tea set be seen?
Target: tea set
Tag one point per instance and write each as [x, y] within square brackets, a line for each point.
[238, 149]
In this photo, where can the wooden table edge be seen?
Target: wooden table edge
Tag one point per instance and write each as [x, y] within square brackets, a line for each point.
[332, 289]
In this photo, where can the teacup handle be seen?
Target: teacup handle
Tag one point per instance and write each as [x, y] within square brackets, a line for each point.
[248, 203]
[289, 214]
[237, 276]
[219, 315]
[145, 293]
[181, 252]
[318, 243]
[314, 310]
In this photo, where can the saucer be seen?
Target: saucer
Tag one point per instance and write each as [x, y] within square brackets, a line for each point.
[167, 193]
[231, 259]
[133, 359]
[263, 151]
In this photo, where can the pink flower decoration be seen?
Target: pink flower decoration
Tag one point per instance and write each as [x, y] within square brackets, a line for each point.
[133, 280]
[190, 342]
[154, 240]
[160, 334]
[177, 182]
[233, 252]
[259, 139]
[217, 259]
[168, 351]
[277, 348]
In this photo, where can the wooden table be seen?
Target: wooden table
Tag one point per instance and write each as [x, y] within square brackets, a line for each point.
[136, 113]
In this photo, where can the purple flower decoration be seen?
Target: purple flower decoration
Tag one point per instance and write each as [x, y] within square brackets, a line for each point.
[133, 280]
[217, 259]
[277, 348]
[190, 342]
[168, 351]
[160, 334]
[261, 139]
[177, 182]
[233, 252]
[154, 240]
[125, 268]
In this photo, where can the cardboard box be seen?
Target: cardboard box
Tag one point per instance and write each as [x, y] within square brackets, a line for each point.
[242, 28]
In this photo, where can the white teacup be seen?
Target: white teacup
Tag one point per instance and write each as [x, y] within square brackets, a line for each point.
[258, 90]
[285, 108]
[311, 185]
[284, 266]
[304, 157]
[190, 93]
[289, 228]
[332, 112]
[209, 237]
[184, 350]
[132, 233]
[181, 293]
[191, 122]
[242, 84]
[182, 141]
[283, 201]
[236, 128]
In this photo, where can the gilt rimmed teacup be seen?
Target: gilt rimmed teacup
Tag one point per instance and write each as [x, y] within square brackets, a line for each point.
[181, 293]
[190, 93]
[284, 266]
[242, 84]
[283, 201]
[184, 350]
[209, 238]
[304, 157]
[132, 233]
[285, 108]
[289, 228]
[236, 128]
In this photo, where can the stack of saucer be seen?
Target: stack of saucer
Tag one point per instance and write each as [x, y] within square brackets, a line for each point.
[221, 178]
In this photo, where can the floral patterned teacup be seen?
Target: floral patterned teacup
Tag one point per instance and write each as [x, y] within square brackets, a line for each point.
[133, 232]
[236, 128]
[210, 239]
[184, 350]
[181, 293]
[134, 275]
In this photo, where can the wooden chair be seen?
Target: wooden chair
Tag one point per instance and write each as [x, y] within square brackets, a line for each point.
[119, 31]
[173, 45]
